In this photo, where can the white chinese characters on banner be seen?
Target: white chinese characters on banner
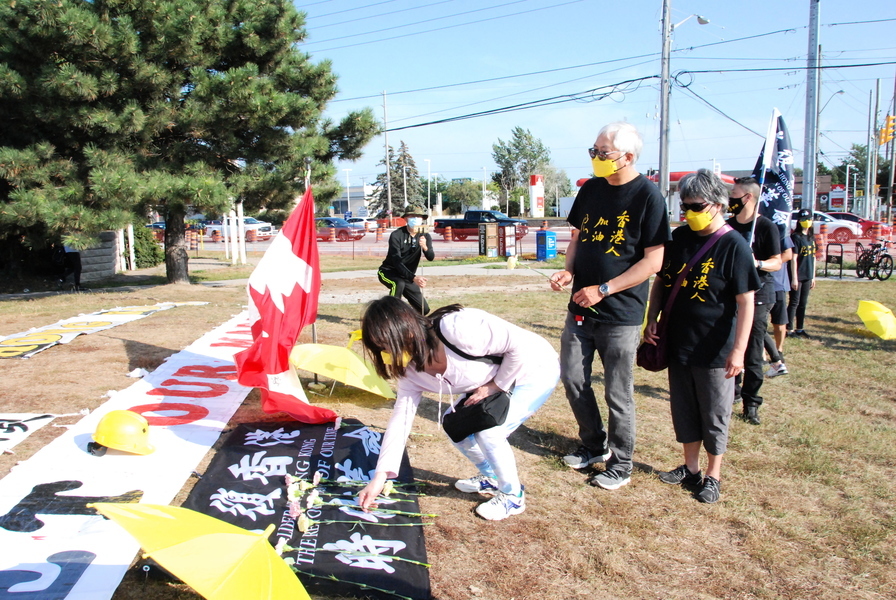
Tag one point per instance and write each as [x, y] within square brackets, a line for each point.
[364, 552]
[15, 427]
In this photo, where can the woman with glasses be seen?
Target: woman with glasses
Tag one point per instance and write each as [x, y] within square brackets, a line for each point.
[707, 328]
[473, 353]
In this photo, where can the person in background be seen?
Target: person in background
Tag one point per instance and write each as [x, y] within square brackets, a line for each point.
[708, 330]
[403, 345]
[399, 271]
[620, 225]
[774, 346]
[804, 249]
[765, 240]
[71, 266]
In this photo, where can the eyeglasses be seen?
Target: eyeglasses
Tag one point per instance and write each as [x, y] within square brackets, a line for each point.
[603, 155]
[695, 207]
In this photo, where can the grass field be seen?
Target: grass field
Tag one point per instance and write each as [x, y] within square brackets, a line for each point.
[808, 505]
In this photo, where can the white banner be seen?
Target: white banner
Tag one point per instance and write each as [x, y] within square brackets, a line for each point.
[26, 345]
[15, 427]
[64, 550]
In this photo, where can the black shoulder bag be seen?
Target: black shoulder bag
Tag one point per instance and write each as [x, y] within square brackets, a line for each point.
[464, 420]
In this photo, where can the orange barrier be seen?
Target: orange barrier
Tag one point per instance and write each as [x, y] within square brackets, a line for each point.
[821, 240]
[379, 233]
[448, 235]
[193, 239]
[875, 232]
[251, 236]
[216, 236]
[332, 234]
[544, 225]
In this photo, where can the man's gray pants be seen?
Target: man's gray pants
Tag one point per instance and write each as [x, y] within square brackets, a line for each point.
[616, 346]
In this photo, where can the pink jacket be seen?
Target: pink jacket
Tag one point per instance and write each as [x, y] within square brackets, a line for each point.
[477, 333]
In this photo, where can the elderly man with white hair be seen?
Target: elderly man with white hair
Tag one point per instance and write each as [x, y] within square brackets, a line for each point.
[620, 228]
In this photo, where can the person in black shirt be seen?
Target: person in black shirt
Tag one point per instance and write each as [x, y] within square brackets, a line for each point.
[399, 271]
[621, 226]
[707, 329]
[765, 240]
[804, 251]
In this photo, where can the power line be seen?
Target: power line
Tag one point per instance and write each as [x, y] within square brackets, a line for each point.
[339, 12]
[483, 20]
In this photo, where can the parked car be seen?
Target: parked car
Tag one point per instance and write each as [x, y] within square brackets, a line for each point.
[344, 229]
[359, 222]
[156, 225]
[263, 231]
[867, 224]
[469, 226]
[839, 231]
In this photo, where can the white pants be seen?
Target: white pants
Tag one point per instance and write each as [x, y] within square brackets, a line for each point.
[489, 449]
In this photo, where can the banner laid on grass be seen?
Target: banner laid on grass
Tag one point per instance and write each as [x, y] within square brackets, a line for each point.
[265, 474]
[15, 427]
[29, 343]
[63, 549]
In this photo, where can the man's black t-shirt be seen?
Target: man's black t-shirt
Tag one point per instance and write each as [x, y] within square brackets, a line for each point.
[404, 253]
[766, 243]
[804, 250]
[616, 223]
[700, 330]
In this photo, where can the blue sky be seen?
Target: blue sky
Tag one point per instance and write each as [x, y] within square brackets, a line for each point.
[447, 58]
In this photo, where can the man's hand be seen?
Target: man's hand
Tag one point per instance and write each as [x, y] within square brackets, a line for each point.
[423, 245]
[560, 280]
[734, 364]
[421, 281]
[588, 296]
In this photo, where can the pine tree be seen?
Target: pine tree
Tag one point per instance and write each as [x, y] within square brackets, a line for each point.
[397, 176]
[113, 108]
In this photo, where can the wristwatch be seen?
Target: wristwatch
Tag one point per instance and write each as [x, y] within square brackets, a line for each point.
[604, 290]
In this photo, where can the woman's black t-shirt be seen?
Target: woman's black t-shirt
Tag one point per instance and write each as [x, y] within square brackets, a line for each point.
[701, 326]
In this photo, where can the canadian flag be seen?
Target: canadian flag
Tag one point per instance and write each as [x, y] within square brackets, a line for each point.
[283, 291]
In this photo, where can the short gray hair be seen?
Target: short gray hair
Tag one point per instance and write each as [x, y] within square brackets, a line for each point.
[625, 138]
[705, 185]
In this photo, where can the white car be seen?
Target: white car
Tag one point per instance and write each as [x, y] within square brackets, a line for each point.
[359, 222]
[263, 231]
[839, 230]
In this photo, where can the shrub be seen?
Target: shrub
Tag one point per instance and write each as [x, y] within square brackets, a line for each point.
[146, 248]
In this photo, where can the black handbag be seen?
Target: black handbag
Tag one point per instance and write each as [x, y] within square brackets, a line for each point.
[656, 357]
[464, 420]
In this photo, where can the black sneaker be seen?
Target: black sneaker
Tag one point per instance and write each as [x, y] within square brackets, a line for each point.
[583, 457]
[710, 491]
[681, 476]
[611, 479]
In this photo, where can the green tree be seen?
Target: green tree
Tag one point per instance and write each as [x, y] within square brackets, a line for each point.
[115, 107]
[402, 169]
[460, 195]
[518, 158]
[857, 156]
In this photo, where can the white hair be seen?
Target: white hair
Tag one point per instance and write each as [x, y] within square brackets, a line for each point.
[625, 138]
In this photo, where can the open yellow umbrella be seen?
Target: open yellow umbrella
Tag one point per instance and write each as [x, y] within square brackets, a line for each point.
[219, 560]
[341, 364]
[878, 319]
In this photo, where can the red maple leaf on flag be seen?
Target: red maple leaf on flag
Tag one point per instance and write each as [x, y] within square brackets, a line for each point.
[283, 291]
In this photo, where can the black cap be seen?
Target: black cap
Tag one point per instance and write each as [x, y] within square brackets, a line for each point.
[805, 215]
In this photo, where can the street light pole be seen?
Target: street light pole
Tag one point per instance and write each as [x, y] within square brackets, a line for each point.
[846, 197]
[665, 93]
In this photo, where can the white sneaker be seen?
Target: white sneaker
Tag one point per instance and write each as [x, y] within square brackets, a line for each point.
[502, 506]
[775, 370]
[480, 484]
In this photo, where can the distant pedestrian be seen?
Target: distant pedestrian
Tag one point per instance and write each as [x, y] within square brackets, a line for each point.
[399, 271]
[804, 248]
[774, 344]
[71, 266]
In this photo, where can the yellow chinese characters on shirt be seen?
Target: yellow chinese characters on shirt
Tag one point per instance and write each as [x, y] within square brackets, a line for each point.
[602, 230]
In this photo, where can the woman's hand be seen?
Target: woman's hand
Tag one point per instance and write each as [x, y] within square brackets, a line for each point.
[650, 335]
[481, 393]
[368, 495]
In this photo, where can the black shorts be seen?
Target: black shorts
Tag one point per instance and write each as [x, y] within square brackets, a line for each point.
[778, 313]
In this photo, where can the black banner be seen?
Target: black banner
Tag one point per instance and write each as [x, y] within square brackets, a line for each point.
[265, 473]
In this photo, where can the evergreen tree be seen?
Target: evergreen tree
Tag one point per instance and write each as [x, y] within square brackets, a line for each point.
[523, 155]
[402, 168]
[112, 108]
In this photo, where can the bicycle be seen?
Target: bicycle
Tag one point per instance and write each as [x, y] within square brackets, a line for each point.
[875, 262]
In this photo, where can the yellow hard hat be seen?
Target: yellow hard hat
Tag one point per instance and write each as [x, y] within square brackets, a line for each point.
[124, 430]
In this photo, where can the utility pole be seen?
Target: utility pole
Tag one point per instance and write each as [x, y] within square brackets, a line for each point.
[869, 174]
[388, 166]
[665, 88]
[892, 148]
[810, 163]
[874, 157]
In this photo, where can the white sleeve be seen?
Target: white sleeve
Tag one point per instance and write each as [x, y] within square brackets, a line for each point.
[398, 430]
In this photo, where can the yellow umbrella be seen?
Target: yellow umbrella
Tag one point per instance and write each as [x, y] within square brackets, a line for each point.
[219, 560]
[878, 318]
[341, 364]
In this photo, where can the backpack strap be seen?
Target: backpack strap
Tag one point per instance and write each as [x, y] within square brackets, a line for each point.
[493, 359]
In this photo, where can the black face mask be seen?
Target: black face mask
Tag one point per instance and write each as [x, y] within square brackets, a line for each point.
[735, 205]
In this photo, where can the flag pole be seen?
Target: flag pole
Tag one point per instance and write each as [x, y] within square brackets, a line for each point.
[767, 150]
[314, 324]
